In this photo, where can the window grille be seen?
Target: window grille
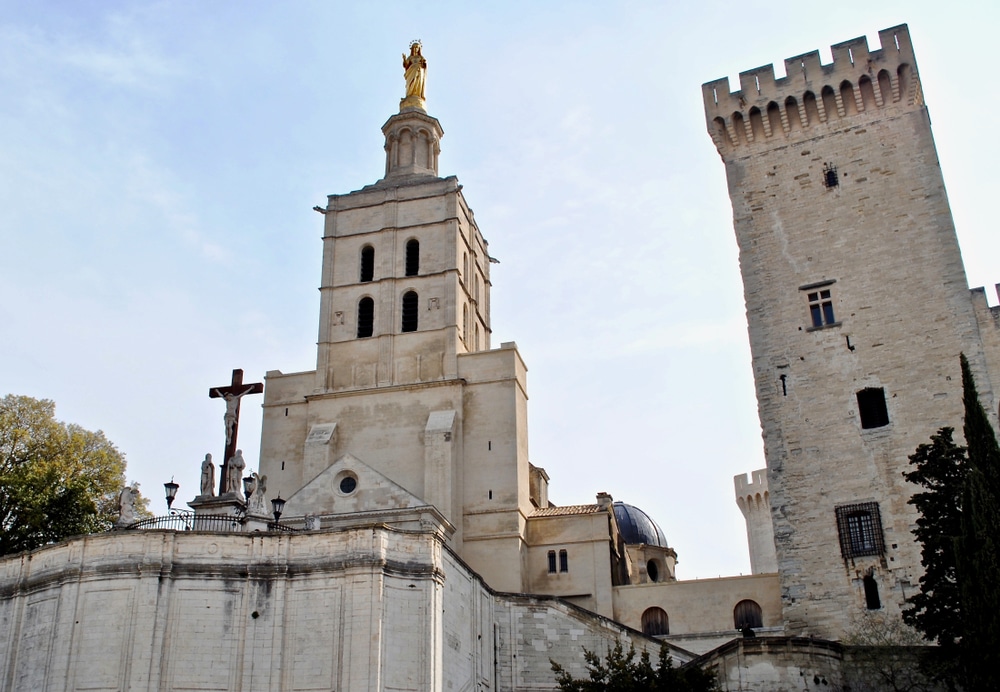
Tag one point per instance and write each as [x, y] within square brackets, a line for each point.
[830, 178]
[860, 530]
[563, 561]
[552, 562]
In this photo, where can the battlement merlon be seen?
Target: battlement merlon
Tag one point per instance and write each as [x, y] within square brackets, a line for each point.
[851, 60]
[750, 484]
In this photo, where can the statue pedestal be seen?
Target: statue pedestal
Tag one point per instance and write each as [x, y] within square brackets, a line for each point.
[257, 522]
[211, 512]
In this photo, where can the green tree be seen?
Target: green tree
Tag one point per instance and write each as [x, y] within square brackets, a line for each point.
[977, 549]
[621, 672]
[56, 479]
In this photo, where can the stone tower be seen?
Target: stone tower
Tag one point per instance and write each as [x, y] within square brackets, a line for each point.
[754, 501]
[857, 308]
[408, 408]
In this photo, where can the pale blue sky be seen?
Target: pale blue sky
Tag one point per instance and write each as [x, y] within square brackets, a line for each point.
[159, 162]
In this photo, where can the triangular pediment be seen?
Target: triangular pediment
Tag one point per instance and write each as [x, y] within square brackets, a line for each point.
[348, 486]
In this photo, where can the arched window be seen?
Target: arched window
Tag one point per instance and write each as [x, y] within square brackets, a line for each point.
[410, 301]
[465, 324]
[747, 613]
[412, 257]
[465, 266]
[563, 561]
[367, 263]
[552, 562]
[475, 344]
[366, 317]
[655, 622]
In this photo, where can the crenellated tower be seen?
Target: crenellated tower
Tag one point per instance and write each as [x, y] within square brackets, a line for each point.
[857, 310]
[754, 501]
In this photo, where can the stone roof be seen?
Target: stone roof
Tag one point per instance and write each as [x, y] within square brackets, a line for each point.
[568, 509]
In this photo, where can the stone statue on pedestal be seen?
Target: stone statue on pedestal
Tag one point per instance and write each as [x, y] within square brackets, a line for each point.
[207, 476]
[415, 67]
[234, 479]
[126, 505]
[257, 504]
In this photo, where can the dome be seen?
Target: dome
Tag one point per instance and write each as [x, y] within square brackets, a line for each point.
[636, 526]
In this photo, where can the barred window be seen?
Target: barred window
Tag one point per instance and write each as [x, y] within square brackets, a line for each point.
[563, 561]
[860, 529]
[552, 562]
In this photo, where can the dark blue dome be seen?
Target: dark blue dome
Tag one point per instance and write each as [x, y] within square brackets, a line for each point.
[636, 526]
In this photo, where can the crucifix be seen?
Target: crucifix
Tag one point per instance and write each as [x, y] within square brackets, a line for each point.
[232, 394]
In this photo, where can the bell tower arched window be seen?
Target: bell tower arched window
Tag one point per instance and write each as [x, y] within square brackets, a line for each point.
[367, 263]
[412, 257]
[366, 317]
[410, 301]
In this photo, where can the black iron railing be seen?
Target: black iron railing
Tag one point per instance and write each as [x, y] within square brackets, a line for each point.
[189, 521]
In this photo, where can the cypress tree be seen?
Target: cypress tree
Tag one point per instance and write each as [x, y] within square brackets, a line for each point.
[977, 548]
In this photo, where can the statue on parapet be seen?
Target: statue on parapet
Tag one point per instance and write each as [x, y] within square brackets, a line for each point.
[126, 505]
[415, 67]
[208, 476]
[256, 505]
[234, 478]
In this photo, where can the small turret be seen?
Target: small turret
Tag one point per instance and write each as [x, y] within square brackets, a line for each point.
[755, 503]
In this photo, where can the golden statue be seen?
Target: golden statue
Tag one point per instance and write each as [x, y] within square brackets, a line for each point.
[416, 76]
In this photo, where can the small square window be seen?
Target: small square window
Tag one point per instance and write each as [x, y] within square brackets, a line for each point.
[821, 307]
[860, 530]
[871, 406]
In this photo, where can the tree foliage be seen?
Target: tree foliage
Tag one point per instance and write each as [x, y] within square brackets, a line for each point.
[940, 467]
[619, 671]
[977, 547]
[56, 479]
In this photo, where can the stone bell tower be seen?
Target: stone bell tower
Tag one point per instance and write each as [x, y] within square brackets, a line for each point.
[857, 308]
[408, 406]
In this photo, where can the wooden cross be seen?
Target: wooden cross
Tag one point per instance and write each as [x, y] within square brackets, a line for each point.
[232, 394]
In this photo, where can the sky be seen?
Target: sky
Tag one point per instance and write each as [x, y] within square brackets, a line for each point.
[159, 162]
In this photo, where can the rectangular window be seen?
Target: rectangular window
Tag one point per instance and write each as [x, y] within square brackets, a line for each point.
[860, 529]
[821, 307]
[871, 406]
[563, 561]
[552, 562]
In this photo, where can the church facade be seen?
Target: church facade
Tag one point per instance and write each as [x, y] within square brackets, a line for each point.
[425, 553]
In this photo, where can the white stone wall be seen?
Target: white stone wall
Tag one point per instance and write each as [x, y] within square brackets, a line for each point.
[360, 609]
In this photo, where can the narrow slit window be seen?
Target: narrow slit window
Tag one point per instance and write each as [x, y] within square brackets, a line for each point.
[412, 257]
[872, 408]
[563, 561]
[367, 263]
[872, 600]
[821, 307]
[552, 562]
[366, 317]
[410, 302]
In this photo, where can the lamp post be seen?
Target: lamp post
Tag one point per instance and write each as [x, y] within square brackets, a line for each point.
[171, 491]
[277, 506]
[248, 487]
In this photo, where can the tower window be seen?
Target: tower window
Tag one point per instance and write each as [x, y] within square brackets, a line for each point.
[655, 622]
[872, 601]
[821, 307]
[652, 571]
[563, 561]
[830, 178]
[412, 257]
[552, 562]
[871, 406]
[367, 263]
[410, 301]
[366, 317]
[747, 613]
[860, 530]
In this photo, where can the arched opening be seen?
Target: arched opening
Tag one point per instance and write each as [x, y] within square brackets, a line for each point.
[412, 257]
[829, 103]
[720, 129]
[885, 86]
[774, 118]
[465, 324]
[366, 317]
[475, 344]
[563, 561]
[465, 266]
[812, 110]
[792, 114]
[652, 571]
[655, 622]
[739, 127]
[903, 72]
[747, 613]
[367, 263]
[848, 99]
[867, 93]
[872, 601]
[410, 301]
[756, 123]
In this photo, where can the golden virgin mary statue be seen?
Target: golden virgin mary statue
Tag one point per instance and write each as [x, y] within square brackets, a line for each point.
[415, 67]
